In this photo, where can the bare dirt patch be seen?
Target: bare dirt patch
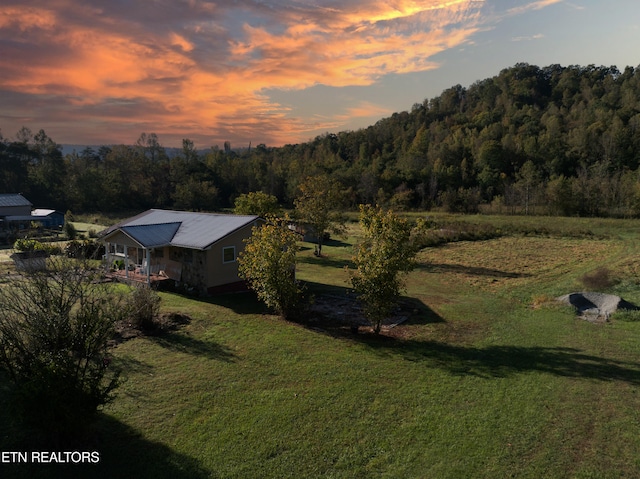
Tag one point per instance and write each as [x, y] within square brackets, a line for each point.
[347, 311]
[164, 323]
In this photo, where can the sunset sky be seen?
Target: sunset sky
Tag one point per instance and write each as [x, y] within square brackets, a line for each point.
[274, 72]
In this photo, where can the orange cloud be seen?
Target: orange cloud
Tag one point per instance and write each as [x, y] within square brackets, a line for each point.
[197, 69]
[537, 5]
[365, 110]
[26, 18]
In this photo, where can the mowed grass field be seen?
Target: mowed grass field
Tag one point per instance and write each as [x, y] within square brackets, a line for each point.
[487, 377]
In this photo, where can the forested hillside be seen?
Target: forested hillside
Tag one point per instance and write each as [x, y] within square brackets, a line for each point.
[552, 140]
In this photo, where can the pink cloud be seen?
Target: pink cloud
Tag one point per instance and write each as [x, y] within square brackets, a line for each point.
[200, 69]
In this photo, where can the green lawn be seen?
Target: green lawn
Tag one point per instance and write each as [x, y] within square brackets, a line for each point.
[485, 380]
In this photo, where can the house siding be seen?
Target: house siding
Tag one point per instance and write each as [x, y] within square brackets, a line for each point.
[122, 239]
[15, 211]
[194, 270]
[219, 273]
[198, 263]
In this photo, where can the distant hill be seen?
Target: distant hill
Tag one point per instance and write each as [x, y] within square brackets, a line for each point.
[70, 149]
[552, 140]
[564, 140]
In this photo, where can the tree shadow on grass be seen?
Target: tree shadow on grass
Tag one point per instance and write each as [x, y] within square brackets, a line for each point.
[130, 364]
[470, 270]
[420, 312]
[121, 452]
[327, 261]
[181, 342]
[315, 288]
[245, 302]
[505, 361]
[337, 307]
[336, 243]
[240, 302]
[118, 450]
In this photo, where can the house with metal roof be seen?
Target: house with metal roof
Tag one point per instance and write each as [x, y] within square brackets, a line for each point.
[17, 214]
[196, 250]
[48, 218]
[14, 205]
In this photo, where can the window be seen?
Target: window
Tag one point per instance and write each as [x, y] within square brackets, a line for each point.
[229, 254]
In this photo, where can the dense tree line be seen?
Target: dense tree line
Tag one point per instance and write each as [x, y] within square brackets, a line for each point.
[559, 140]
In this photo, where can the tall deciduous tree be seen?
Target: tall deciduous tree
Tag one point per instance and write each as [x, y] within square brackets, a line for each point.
[528, 178]
[268, 265]
[256, 203]
[384, 255]
[317, 206]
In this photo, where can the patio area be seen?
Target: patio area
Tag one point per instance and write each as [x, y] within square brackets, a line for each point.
[137, 276]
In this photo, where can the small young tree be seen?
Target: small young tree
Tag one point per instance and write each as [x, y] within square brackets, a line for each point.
[385, 253]
[54, 329]
[69, 228]
[317, 206]
[256, 203]
[144, 308]
[268, 264]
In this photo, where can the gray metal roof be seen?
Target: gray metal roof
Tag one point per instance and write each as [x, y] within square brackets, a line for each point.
[194, 230]
[152, 236]
[13, 200]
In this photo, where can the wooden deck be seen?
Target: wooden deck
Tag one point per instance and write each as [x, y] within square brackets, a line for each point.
[135, 277]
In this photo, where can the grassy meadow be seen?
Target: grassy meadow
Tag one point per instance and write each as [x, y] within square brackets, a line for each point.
[487, 377]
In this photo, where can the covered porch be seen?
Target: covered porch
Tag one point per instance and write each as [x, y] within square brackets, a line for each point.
[140, 255]
[138, 265]
[137, 277]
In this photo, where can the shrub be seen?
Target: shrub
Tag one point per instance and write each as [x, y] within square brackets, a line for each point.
[599, 279]
[461, 200]
[144, 308]
[54, 331]
[431, 234]
[70, 230]
[25, 244]
[84, 249]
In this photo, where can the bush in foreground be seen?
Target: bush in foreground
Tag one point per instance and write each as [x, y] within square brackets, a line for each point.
[54, 329]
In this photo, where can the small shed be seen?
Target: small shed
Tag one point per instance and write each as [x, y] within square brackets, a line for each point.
[48, 218]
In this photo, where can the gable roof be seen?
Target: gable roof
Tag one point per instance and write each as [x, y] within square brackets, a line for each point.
[152, 236]
[185, 229]
[44, 212]
[13, 199]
